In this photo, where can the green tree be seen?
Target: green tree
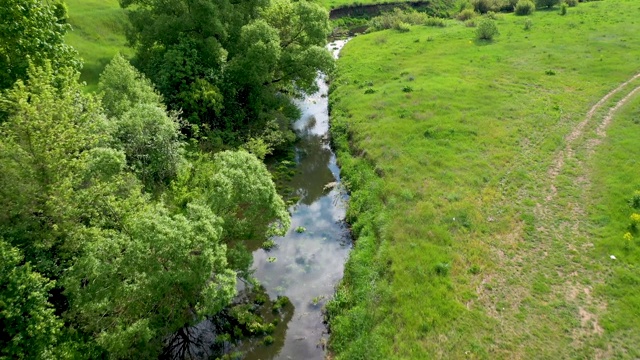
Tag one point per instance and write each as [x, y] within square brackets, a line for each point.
[29, 329]
[135, 269]
[151, 141]
[237, 187]
[158, 273]
[140, 125]
[487, 30]
[43, 147]
[32, 31]
[225, 64]
[121, 87]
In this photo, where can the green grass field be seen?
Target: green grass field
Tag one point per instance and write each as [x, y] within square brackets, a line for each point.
[484, 219]
[616, 176]
[98, 34]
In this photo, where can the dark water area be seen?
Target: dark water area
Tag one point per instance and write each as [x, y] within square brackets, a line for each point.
[308, 262]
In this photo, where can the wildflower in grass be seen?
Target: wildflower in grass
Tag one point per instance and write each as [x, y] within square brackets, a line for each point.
[635, 220]
[628, 240]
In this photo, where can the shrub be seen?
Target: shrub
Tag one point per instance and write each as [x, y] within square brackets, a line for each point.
[547, 3]
[492, 15]
[466, 14]
[401, 19]
[487, 30]
[436, 22]
[401, 26]
[508, 5]
[571, 3]
[470, 23]
[563, 9]
[483, 6]
[525, 7]
[528, 24]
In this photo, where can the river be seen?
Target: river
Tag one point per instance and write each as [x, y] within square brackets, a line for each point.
[309, 260]
[305, 265]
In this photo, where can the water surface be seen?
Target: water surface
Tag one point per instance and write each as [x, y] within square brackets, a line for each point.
[309, 261]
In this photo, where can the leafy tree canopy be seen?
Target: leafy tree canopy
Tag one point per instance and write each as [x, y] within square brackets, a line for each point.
[32, 31]
[130, 269]
[28, 327]
[226, 64]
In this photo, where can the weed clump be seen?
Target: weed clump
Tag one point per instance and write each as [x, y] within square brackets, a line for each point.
[525, 7]
[442, 269]
[528, 24]
[487, 30]
[268, 245]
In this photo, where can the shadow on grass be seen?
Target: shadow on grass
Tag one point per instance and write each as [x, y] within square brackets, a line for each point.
[90, 72]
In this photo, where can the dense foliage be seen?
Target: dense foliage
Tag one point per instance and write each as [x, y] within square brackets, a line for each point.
[111, 237]
[225, 64]
[32, 31]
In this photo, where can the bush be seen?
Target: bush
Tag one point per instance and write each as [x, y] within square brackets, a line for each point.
[401, 19]
[571, 3]
[563, 9]
[470, 23]
[401, 26]
[466, 14]
[525, 7]
[436, 22]
[483, 6]
[487, 30]
[508, 5]
[547, 3]
[492, 15]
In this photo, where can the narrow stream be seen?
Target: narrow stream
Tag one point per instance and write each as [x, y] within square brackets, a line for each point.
[308, 262]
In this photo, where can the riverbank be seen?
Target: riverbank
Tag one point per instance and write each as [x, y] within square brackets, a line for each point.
[470, 242]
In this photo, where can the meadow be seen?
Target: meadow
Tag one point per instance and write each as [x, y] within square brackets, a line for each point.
[98, 35]
[487, 197]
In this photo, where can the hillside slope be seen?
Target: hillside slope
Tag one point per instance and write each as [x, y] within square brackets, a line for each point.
[98, 34]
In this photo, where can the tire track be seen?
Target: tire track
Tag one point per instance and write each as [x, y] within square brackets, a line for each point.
[568, 152]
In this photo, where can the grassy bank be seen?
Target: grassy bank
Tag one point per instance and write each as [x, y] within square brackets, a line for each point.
[469, 168]
[98, 34]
